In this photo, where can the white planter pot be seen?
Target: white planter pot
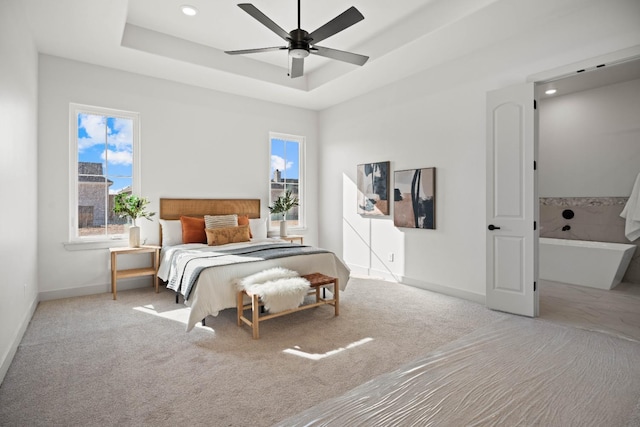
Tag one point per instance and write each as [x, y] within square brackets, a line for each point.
[283, 228]
[134, 236]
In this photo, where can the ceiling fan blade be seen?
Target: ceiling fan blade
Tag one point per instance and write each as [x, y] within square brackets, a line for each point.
[297, 68]
[337, 24]
[352, 58]
[264, 19]
[259, 50]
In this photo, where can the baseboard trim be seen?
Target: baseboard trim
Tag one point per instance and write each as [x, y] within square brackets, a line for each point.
[358, 270]
[361, 270]
[8, 357]
[384, 275]
[453, 292]
[364, 271]
[123, 285]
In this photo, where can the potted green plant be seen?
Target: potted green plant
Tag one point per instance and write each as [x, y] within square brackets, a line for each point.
[127, 205]
[282, 205]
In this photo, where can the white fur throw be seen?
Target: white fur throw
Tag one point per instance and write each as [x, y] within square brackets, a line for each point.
[280, 289]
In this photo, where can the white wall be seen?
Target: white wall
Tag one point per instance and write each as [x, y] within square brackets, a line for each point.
[18, 179]
[195, 143]
[436, 118]
[589, 142]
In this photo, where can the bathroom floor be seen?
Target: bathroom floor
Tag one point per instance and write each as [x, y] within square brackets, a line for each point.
[615, 311]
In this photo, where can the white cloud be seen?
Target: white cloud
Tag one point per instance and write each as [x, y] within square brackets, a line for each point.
[122, 134]
[119, 157]
[93, 125]
[84, 143]
[119, 135]
[278, 163]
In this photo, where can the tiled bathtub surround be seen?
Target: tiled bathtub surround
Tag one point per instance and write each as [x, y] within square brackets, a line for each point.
[595, 219]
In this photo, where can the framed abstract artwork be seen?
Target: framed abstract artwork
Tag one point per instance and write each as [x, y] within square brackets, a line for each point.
[373, 188]
[414, 198]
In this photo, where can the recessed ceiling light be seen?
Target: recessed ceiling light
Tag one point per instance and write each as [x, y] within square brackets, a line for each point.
[550, 91]
[189, 10]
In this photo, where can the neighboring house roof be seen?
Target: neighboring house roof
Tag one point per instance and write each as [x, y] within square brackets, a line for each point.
[91, 172]
[89, 168]
[125, 190]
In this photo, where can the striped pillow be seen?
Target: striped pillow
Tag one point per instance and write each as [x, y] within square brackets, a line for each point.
[220, 221]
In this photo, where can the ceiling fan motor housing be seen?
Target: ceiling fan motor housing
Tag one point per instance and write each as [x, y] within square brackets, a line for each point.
[299, 43]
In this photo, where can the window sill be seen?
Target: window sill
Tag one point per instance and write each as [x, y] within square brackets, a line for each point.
[96, 244]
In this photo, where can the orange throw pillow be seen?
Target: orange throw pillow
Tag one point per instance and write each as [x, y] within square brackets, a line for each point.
[193, 230]
[244, 220]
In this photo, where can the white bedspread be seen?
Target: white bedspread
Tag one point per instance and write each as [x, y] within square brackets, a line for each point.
[214, 290]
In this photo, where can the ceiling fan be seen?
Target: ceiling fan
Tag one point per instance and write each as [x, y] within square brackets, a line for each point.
[301, 43]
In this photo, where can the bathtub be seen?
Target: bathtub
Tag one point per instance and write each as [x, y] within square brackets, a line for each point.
[594, 264]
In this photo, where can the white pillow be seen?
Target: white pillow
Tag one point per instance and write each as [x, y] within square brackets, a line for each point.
[220, 221]
[171, 232]
[258, 227]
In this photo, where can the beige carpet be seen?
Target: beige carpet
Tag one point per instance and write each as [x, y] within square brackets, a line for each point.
[92, 361]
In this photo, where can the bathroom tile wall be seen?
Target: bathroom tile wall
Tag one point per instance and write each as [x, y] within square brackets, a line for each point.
[595, 219]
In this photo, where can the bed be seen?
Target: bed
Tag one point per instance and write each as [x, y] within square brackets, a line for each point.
[204, 274]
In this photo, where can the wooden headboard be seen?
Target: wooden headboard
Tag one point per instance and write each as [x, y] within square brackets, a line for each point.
[174, 208]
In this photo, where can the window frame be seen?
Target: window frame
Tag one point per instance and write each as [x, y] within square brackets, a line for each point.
[302, 158]
[74, 110]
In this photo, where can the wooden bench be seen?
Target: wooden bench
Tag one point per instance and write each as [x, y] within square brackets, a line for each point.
[316, 280]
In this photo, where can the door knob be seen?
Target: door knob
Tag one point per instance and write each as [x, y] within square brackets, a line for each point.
[493, 227]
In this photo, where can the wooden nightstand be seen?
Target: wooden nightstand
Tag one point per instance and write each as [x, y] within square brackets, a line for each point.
[292, 239]
[134, 272]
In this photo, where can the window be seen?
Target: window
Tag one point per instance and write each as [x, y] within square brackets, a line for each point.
[104, 162]
[287, 173]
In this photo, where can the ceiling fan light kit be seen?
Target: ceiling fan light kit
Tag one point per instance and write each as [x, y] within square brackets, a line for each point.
[301, 43]
[298, 53]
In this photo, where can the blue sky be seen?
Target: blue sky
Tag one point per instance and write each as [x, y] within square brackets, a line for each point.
[107, 140]
[285, 156]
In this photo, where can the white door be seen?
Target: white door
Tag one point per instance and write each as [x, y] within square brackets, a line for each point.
[511, 193]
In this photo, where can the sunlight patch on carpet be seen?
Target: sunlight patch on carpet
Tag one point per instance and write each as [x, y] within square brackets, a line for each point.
[180, 315]
[296, 351]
